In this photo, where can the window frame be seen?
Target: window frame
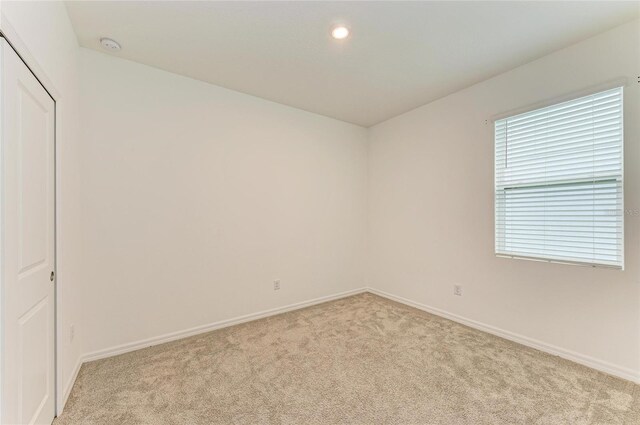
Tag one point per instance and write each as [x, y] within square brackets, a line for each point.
[621, 84]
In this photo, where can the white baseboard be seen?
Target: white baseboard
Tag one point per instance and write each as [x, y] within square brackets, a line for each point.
[161, 339]
[69, 385]
[600, 365]
[591, 362]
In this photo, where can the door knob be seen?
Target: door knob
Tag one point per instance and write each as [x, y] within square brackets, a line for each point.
[53, 276]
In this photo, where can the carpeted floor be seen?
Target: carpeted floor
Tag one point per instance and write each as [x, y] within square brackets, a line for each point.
[358, 360]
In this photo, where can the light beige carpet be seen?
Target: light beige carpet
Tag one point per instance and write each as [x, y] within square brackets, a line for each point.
[358, 360]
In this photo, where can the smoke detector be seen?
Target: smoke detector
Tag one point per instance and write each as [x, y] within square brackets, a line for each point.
[110, 44]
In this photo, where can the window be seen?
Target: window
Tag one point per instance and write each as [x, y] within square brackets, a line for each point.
[558, 182]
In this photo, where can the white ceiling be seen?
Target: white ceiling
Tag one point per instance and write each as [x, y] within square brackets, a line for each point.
[400, 55]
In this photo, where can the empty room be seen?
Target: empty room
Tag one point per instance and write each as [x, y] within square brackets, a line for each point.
[319, 212]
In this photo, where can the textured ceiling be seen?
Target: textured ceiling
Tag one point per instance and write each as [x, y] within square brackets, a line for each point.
[400, 54]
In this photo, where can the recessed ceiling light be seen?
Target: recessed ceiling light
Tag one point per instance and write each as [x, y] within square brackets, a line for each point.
[110, 44]
[340, 32]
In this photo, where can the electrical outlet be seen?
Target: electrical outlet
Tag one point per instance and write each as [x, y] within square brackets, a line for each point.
[72, 332]
[457, 290]
[276, 285]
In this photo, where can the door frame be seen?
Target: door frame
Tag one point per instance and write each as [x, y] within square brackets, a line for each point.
[14, 41]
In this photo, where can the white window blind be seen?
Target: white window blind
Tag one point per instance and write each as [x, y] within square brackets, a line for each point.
[558, 182]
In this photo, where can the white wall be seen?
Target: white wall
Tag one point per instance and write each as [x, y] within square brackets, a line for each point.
[44, 32]
[431, 211]
[194, 198]
[198, 197]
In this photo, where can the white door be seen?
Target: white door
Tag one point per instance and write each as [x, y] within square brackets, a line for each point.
[28, 239]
